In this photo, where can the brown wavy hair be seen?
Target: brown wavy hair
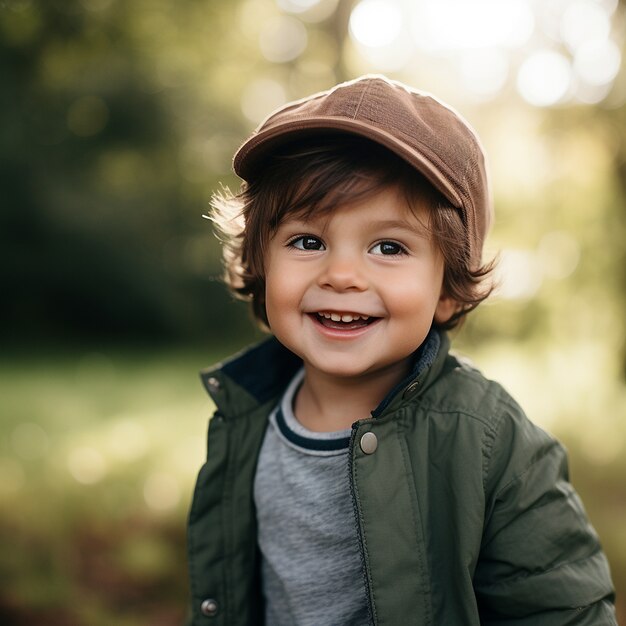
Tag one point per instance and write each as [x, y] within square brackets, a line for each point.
[314, 176]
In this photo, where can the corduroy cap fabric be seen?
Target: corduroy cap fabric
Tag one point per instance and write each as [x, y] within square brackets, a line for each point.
[420, 129]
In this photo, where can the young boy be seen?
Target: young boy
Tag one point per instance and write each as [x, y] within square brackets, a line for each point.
[357, 472]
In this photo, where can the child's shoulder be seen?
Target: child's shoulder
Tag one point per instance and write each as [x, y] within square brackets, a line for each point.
[510, 439]
[463, 390]
[463, 387]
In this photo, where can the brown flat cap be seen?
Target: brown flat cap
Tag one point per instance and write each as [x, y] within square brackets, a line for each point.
[426, 133]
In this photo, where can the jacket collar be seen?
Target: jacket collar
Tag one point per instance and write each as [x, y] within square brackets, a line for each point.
[259, 375]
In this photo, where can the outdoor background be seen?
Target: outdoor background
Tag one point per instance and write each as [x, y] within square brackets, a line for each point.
[119, 118]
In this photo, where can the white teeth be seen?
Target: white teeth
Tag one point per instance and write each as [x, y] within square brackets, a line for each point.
[345, 317]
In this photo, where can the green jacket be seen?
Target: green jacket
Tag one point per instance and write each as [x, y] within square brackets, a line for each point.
[464, 510]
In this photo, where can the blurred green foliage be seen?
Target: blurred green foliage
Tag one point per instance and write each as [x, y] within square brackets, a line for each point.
[119, 121]
[101, 230]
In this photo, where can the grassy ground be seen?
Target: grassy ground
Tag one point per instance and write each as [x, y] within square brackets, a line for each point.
[98, 453]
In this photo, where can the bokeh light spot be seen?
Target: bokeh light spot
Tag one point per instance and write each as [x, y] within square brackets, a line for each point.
[375, 23]
[592, 94]
[449, 25]
[297, 6]
[127, 440]
[282, 39]
[161, 491]
[86, 465]
[260, 97]
[484, 72]
[312, 11]
[392, 58]
[597, 62]
[584, 20]
[518, 275]
[544, 78]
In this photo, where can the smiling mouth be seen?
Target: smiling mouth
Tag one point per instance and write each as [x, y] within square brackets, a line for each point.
[343, 321]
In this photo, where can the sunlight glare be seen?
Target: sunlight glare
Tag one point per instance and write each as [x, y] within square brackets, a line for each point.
[559, 49]
[456, 24]
[609, 5]
[375, 23]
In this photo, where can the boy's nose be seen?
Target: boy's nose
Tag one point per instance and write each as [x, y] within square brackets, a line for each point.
[343, 273]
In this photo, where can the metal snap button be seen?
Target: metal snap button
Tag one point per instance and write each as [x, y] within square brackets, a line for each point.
[411, 389]
[213, 384]
[209, 607]
[369, 443]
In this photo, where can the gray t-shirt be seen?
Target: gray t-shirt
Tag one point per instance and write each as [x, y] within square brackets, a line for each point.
[311, 564]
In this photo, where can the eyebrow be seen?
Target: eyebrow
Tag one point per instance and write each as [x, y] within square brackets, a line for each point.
[417, 229]
[400, 224]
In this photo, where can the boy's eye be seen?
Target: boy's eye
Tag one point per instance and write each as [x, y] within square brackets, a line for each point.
[307, 242]
[388, 248]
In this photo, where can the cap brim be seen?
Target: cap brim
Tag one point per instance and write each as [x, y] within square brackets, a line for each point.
[247, 160]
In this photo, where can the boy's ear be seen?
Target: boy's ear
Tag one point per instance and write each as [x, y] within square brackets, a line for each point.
[446, 308]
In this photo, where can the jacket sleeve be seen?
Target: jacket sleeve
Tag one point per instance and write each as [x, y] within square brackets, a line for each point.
[541, 562]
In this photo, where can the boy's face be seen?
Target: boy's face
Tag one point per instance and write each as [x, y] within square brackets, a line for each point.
[354, 292]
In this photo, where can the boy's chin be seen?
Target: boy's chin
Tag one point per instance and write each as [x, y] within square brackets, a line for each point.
[347, 370]
[339, 368]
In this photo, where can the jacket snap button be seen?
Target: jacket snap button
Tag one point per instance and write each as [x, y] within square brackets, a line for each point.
[369, 443]
[213, 384]
[411, 389]
[209, 607]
